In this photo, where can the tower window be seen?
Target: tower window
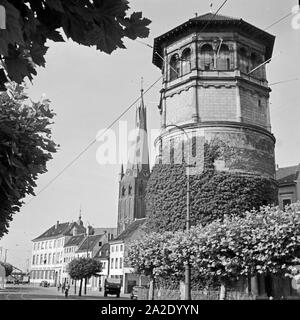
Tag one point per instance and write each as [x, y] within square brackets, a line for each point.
[259, 102]
[130, 190]
[174, 67]
[255, 61]
[186, 61]
[223, 62]
[244, 63]
[123, 191]
[207, 57]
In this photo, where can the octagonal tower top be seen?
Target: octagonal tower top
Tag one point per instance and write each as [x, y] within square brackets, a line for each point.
[208, 23]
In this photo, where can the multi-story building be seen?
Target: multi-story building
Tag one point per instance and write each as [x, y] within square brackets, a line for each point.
[90, 248]
[47, 259]
[70, 249]
[288, 179]
[103, 256]
[118, 268]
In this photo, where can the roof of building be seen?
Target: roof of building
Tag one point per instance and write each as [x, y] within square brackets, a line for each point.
[103, 230]
[209, 21]
[288, 175]
[129, 231]
[61, 229]
[103, 252]
[75, 240]
[90, 242]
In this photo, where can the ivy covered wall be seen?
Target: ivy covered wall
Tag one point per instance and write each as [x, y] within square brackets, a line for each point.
[213, 194]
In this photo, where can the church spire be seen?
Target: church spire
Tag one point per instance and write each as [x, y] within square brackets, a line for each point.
[139, 152]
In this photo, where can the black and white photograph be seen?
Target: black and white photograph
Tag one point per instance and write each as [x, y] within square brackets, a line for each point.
[149, 154]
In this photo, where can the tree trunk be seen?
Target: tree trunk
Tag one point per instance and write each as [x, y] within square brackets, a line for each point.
[75, 287]
[223, 291]
[85, 282]
[80, 288]
[151, 289]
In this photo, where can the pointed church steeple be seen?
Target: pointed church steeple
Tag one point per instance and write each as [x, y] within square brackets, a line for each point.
[139, 151]
[132, 186]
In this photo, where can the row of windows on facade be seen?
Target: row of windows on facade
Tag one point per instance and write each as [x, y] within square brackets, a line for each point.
[48, 244]
[116, 248]
[116, 263]
[129, 192]
[43, 274]
[53, 258]
[212, 60]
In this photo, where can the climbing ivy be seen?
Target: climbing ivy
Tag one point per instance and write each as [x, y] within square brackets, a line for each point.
[213, 194]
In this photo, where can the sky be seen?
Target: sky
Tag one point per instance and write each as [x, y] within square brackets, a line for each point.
[89, 89]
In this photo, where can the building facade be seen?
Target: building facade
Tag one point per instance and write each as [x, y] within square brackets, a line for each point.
[215, 88]
[118, 268]
[288, 179]
[47, 258]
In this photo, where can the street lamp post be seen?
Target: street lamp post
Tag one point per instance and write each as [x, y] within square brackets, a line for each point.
[187, 272]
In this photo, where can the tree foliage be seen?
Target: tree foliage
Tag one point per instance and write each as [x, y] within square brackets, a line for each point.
[234, 247]
[151, 255]
[25, 148]
[83, 268]
[30, 23]
[8, 268]
[213, 194]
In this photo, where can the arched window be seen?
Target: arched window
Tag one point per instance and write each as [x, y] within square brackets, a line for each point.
[174, 67]
[244, 64]
[186, 61]
[223, 62]
[207, 57]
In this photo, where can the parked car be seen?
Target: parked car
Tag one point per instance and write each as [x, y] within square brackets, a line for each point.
[112, 286]
[44, 284]
[135, 291]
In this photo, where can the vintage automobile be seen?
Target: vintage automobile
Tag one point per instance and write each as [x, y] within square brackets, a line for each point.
[112, 286]
[44, 284]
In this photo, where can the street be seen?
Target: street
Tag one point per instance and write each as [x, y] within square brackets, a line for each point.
[29, 292]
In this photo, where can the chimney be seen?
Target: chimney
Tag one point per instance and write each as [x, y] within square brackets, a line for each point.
[57, 223]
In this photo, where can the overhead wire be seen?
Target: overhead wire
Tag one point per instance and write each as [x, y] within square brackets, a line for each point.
[93, 141]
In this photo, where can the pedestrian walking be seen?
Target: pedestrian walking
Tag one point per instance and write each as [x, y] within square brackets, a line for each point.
[67, 290]
[58, 287]
[63, 288]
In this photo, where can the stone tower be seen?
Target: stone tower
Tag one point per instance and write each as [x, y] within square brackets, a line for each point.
[132, 183]
[213, 88]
